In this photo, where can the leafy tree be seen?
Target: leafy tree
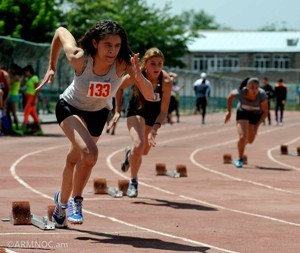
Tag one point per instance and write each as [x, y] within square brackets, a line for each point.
[32, 20]
[36, 20]
[195, 21]
[146, 27]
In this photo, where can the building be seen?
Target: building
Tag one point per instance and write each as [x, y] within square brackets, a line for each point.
[246, 53]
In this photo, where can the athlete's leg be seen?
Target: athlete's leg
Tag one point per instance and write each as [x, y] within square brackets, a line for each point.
[136, 127]
[83, 153]
[242, 129]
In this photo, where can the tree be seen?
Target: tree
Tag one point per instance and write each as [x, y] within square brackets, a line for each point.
[32, 20]
[146, 27]
[195, 21]
[36, 21]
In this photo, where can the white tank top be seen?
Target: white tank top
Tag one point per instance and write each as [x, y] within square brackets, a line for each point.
[90, 92]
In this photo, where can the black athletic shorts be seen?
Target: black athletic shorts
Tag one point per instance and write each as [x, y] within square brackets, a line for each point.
[252, 117]
[95, 121]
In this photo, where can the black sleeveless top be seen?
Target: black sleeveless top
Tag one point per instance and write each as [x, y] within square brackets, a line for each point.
[149, 110]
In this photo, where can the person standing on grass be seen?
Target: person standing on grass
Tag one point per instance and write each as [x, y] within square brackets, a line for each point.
[144, 117]
[252, 110]
[99, 60]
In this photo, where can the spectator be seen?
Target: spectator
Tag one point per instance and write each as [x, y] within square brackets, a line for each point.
[270, 95]
[174, 101]
[5, 86]
[280, 92]
[14, 98]
[31, 83]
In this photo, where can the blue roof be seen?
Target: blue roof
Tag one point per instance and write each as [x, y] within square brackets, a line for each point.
[245, 41]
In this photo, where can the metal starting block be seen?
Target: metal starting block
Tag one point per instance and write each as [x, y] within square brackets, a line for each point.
[123, 186]
[100, 187]
[227, 159]
[21, 215]
[161, 170]
[42, 222]
[285, 151]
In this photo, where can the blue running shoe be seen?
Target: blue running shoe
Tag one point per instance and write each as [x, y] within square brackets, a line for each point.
[125, 164]
[132, 191]
[75, 210]
[59, 213]
[239, 163]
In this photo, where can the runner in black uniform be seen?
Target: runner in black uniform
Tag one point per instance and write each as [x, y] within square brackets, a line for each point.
[144, 117]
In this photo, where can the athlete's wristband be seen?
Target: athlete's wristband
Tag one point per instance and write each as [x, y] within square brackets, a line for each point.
[157, 123]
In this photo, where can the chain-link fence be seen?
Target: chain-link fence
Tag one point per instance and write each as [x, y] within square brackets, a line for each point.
[220, 88]
[23, 53]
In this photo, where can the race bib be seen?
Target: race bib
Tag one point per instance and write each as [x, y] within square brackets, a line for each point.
[99, 90]
[156, 97]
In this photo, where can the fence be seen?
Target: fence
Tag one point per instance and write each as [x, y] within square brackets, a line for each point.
[23, 52]
[220, 88]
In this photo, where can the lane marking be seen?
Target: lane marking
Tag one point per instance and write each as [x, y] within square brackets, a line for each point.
[22, 182]
[27, 186]
[281, 163]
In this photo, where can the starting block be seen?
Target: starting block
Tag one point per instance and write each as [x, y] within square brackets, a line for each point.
[161, 170]
[21, 215]
[100, 187]
[181, 169]
[227, 159]
[284, 151]
[123, 186]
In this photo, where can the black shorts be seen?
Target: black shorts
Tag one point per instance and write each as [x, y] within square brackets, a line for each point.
[173, 104]
[253, 118]
[95, 121]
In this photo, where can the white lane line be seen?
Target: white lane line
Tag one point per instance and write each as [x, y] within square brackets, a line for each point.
[21, 181]
[207, 203]
[281, 163]
[132, 225]
[116, 171]
[27, 186]
[193, 160]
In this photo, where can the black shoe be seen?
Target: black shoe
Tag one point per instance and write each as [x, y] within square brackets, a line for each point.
[125, 164]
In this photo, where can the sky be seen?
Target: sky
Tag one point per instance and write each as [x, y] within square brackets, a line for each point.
[242, 14]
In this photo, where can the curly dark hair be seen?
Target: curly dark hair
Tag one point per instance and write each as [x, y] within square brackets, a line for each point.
[102, 29]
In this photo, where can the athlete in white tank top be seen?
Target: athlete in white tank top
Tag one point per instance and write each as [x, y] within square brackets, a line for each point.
[90, 92]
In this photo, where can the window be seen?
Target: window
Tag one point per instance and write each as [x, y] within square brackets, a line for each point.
[281, 62]
[262, 62]
[216, 63]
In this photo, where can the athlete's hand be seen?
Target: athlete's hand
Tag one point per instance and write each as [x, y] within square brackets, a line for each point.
[136, 66]
[227, 117]
[48, 78]
[114, 121]
[151, 138]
